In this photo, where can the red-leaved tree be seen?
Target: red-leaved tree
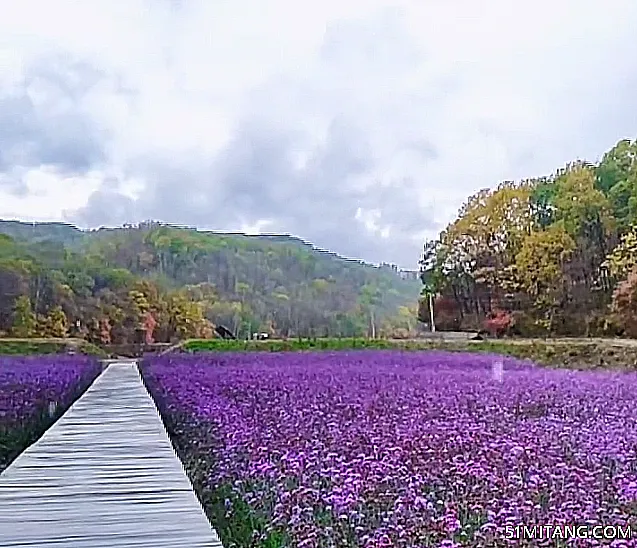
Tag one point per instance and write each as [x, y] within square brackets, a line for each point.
[148, 326]
[499, 323]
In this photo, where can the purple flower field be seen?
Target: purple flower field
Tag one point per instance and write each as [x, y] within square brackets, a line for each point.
[384, 448]
[34, 392]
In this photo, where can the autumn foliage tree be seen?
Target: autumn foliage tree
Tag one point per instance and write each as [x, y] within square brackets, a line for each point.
[499, 323]
[54, 324]
[148, 326]
[555, 253]
[624, 304]
[540, 270]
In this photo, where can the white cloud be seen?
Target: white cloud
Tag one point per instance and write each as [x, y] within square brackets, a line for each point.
[44, 186]
[294, 117]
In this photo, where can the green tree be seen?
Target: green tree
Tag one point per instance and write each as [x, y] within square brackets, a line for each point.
[618, 165]
[24, 320]
[370, 299]
[583, 208]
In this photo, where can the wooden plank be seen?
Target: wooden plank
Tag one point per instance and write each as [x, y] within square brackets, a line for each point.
[104, 475]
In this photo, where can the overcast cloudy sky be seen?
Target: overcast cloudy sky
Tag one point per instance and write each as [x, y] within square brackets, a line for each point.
[359, 125]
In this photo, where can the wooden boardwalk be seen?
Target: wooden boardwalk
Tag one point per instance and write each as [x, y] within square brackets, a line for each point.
[105, 475]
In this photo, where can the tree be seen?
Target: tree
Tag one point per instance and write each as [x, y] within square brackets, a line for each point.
[14, 282]
[148, 325]
[540, 266]
[543, 249]
[54, 324]
[543, 202]
[370, 299]
[432, 277]
[186, 318]
[447, 315]
[582, 208]
[428, 293]
[402, 324]
[618, 164]
[499, 323]
[110, 280]
[541, 259]
[623, 259]
[104, 328]
[477, 250]
[624, 304]
[24, 321]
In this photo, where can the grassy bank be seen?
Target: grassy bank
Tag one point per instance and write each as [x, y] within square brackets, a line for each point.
[25, 347]
[292, 345]
[573, 353]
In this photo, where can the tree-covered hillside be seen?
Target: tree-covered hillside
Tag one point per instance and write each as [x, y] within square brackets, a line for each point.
[552, 255]
[165, 283]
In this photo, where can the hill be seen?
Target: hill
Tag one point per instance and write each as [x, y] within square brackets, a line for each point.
[119, 284]
[39, 232]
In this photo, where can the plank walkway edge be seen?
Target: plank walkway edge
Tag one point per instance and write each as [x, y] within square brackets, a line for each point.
[104, 475]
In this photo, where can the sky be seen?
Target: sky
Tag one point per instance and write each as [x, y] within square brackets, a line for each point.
[358, 125]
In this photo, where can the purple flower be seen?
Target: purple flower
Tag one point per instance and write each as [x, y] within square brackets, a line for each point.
[35, 391]
[413, 449]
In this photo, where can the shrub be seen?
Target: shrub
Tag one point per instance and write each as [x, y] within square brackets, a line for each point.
[499, 323]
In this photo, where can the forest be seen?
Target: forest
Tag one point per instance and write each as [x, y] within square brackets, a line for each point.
[157, 283]
[555, 255]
